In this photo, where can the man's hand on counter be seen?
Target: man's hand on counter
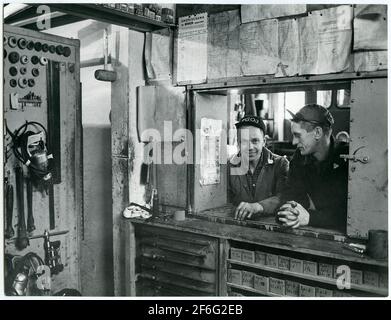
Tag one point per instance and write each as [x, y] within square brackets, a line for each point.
[246, 210]
[293, 215]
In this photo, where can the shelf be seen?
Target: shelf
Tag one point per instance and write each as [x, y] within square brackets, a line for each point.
[112, 16]
[236, 286]
[374, 290]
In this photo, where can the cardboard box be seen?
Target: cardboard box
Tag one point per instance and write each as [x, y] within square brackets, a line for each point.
[371, 278]
[235, 276]
[261, 283]
[248, 256]
[325, 270]
[248, 279]
[292, 288]
[277, 286]
[310, 267]
[272, 260]
[260, 258]
[322, 292]
[236, 254]
[307, 291]
[296, 265]
[283, 263]
[356, 276]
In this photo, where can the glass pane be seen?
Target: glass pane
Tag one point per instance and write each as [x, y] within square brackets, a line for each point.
[343, 98]
[323, 98]
[293, 101]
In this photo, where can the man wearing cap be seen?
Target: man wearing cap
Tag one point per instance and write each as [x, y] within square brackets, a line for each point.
[316, 193]
[257, 176]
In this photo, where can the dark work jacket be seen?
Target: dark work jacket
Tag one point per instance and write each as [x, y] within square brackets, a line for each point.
[270, 184]
[324, 183]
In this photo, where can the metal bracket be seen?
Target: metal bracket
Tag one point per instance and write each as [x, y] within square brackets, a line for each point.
[364, 159]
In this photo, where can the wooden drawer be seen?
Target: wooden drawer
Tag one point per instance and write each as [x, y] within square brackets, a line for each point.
[175, 263]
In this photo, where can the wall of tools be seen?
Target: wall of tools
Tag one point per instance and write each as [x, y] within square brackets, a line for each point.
[42, 168]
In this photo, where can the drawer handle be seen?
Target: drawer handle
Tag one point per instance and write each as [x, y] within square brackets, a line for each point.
[154, 256]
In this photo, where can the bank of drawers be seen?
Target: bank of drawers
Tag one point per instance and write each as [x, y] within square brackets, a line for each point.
[270, 273]
[174, 263]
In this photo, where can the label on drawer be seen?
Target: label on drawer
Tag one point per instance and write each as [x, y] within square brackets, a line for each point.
[248, 279]
[310, 267]
[356, 276]
[261, 283]
[292, 288]
[272, 260]
[307, 291]
[326, 270]
[371, 278]
[283, 263]
[383, 280]
[235, 276]
[236, 254]
[322, 292]
[277, 286]
[260, 258]
[296, 265]
[341, 293]
[248, 256]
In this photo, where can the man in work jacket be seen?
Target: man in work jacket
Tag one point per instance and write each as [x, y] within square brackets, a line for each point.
[316, 193]
[257, 177]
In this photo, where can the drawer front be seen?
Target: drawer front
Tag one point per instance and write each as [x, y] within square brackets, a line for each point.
[174, 263]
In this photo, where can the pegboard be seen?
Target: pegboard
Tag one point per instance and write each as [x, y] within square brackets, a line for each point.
[28, 56]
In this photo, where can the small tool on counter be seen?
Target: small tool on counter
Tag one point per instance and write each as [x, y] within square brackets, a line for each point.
[9, 198]
[22, 240]
[30, 215]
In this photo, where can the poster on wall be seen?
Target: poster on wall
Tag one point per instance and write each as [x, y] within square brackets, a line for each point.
[210, 151]
[259, 47]
[325, 37]
[288, 49]
[370, 60]
[158, 54]
[223, 45]
[256, 12]
[370, 27]
[192, 49]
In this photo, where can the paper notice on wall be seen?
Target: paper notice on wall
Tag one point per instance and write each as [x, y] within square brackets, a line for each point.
[370, 27]
[256, 12]
[288, 49]
[223, 45]
[335, 38]
[157, 54]
[192, 48]
[210, 151]
[308, 31]
[370, 60]
[325, 39]
[259, 47]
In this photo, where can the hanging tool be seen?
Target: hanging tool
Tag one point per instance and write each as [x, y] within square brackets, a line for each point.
[22, 240]
[9, 198]
[105, 74]
[52, 254]
[30, 216]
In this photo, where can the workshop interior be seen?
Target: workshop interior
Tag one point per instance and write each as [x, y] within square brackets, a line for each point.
[117, 118]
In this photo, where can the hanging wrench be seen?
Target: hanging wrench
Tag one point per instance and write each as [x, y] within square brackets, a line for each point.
[9, 198]
[30, 216]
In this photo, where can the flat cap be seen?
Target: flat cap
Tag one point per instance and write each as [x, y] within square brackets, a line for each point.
[313, 113]
[252, 121]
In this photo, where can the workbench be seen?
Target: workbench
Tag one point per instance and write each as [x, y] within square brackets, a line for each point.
[197, 257]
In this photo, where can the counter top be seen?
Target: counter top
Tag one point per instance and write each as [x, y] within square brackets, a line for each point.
[278, 240]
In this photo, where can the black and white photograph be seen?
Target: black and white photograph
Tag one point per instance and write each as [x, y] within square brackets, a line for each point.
[168, 150]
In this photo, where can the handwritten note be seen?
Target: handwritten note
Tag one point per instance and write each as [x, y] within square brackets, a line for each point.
[256, 12]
